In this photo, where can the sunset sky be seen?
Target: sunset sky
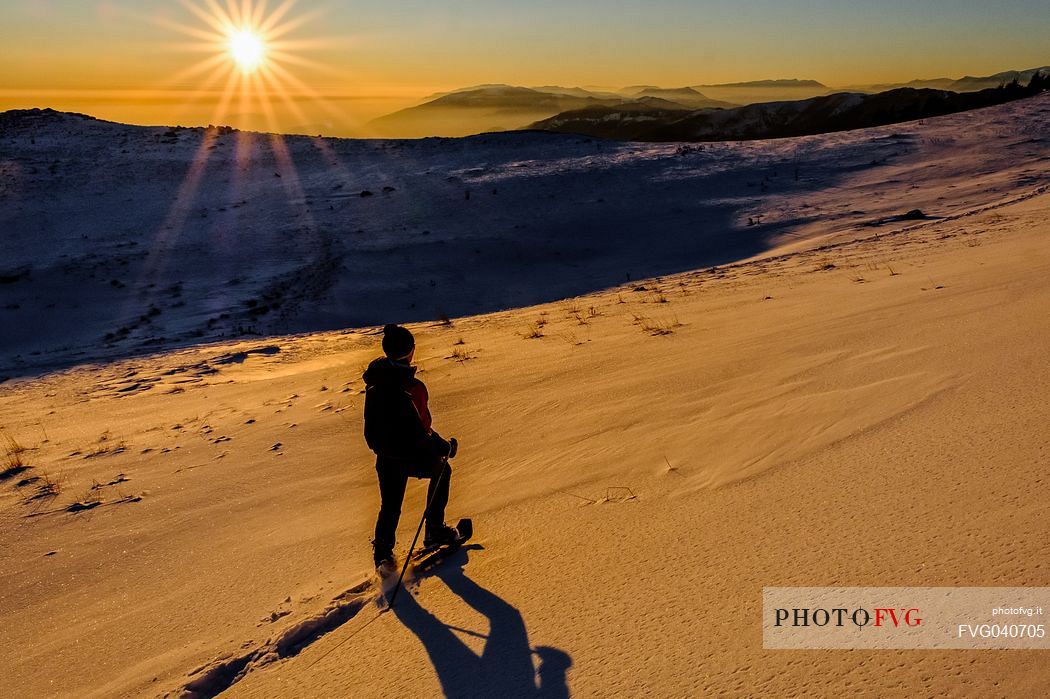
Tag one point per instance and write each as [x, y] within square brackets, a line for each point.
[127, 59]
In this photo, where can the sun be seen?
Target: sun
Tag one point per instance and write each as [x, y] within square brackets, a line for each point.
[251, 55]
[247, 49]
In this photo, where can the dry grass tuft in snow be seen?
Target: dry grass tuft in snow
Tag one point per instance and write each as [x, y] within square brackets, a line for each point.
[13, 463]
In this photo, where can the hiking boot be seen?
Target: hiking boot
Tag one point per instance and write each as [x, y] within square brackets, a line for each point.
[384, 558]
[440, 535]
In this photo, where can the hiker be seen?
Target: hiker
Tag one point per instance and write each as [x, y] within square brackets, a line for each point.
[398, 429]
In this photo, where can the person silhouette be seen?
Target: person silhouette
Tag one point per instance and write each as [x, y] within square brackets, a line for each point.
[399, 429]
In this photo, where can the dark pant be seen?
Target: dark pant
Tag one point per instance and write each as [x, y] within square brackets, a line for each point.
[393, 478]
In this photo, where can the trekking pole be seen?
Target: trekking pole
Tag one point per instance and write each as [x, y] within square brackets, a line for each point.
[408, 558]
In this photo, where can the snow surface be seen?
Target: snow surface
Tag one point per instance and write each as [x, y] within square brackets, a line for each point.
[131, 239]
[863, 402]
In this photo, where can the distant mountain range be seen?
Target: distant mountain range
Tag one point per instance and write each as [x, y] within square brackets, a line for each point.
[683, 96]
[498, 107]
[836, 112]
[965, 84]
[507, 107]
[771, 83]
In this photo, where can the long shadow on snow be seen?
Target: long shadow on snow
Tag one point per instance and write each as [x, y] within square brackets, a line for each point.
[505, 667]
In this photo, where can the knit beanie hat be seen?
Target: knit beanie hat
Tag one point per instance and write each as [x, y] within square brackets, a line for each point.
[397, 341]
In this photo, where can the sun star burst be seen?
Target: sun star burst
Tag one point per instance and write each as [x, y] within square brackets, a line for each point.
[249, 50]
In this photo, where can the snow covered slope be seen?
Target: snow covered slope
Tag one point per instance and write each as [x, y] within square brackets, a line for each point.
[124, 240]
[866, 406]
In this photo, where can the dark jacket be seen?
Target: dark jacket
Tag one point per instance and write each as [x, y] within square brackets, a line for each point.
[397, 418]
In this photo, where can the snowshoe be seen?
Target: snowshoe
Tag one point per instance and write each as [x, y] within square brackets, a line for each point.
[450, 541]
[440, 536]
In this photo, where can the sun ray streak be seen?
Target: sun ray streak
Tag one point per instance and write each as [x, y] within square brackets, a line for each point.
[170, 230]
[306, 90]
[221, 18]
[312, 44]
[247, 13]
[290, 181]
[189, 47]
[201, 91]
[285, 57]
[276, 16]
[234, 11]
[188, 30]
[292, 24]
[259, 14]
[216, 20]
[196, 69]
[279, 89]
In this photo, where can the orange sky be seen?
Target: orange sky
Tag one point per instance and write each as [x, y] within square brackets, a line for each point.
[345, 63]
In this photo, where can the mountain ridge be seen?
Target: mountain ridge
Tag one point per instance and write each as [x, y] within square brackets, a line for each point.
[841, 111]
[500, 107]
[780, 82]
[493, 107]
